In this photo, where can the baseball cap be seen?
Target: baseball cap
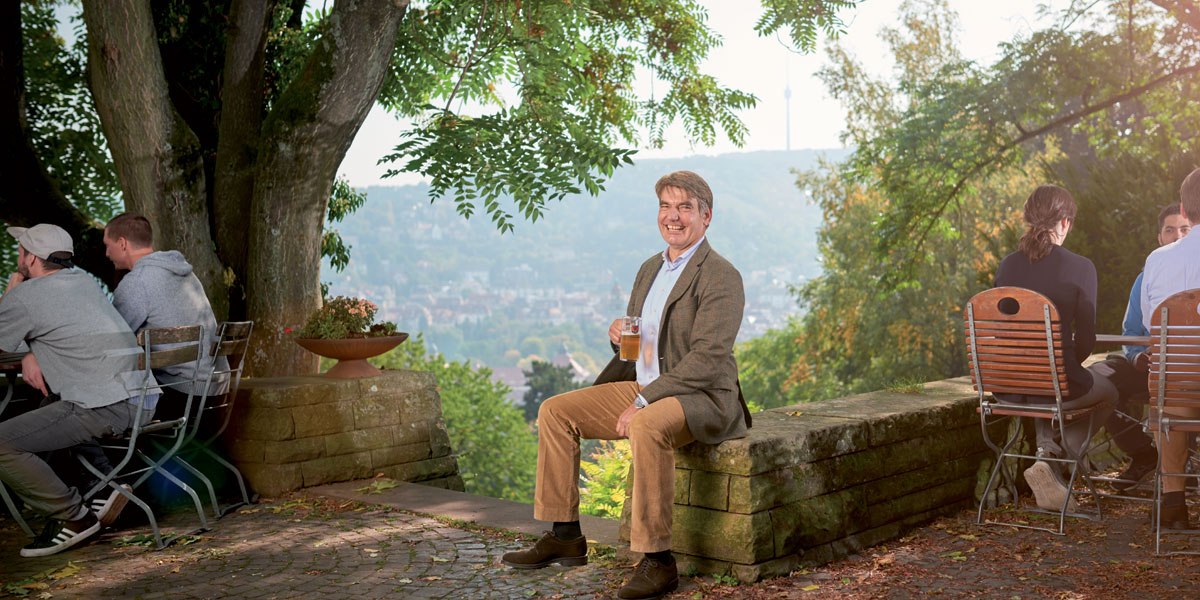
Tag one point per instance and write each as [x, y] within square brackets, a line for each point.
[43, 239]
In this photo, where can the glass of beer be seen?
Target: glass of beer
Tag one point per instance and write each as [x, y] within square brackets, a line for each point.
[631, 337]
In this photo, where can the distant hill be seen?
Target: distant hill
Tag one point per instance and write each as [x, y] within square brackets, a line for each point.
[412, 256]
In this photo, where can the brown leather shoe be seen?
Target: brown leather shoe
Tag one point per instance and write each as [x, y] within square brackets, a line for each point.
[547, 551]
[651, 579]
[1173, 517]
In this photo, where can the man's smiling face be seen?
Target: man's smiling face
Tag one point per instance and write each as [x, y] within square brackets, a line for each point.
[682, 221]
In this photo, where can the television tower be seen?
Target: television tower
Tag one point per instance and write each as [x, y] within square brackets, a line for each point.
[787, 103]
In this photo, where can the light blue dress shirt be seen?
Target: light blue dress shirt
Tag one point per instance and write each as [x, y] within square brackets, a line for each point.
[1169, 269]
[652, 311]
[1133, 319]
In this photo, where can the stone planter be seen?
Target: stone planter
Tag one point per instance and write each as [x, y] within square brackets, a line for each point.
[352, 353]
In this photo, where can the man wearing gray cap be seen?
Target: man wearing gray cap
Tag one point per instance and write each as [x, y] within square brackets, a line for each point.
[87, 354]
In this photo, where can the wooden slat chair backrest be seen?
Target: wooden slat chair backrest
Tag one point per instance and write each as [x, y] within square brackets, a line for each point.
[1175, 353]
[1014, 344]
[233, 340]
[186, 346]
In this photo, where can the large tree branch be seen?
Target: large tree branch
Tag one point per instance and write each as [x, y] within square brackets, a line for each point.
[304, 139]
[1032, 134]
[158, 158]
[28, 195]
[239, 127]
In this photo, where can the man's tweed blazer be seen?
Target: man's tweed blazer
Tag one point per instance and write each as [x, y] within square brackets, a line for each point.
[695, 345]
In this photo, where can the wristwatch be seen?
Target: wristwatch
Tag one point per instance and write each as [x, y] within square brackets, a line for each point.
[640, 402]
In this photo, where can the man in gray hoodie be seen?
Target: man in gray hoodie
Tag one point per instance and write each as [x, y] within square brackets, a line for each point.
[161, 290]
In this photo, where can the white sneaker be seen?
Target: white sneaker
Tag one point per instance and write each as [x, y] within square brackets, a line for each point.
[107, 509]
[1048, 489]
[60, 535]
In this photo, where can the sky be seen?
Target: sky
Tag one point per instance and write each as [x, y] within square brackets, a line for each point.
[765, 67]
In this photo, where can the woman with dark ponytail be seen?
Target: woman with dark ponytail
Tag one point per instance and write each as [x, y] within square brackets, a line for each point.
[1041, 264]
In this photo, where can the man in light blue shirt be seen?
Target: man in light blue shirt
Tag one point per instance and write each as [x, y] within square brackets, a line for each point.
[1128, 372]
[1170, 269]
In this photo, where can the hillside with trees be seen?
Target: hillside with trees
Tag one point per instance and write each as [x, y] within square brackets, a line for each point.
[498, 298]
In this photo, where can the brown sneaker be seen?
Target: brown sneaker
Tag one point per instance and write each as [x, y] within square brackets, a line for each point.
[651, 579]
[547, 551]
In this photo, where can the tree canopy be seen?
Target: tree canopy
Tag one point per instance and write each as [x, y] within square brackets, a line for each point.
[1111, 81]
[910, 231]
[226, 120]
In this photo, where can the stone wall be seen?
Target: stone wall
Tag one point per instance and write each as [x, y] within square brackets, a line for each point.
[814, 482]
[293, 432]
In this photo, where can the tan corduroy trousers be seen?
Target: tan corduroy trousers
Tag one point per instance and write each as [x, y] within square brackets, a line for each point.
[592, 413]
[1173, 449]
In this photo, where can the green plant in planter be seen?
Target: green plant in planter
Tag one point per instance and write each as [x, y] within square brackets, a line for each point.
[342, 318]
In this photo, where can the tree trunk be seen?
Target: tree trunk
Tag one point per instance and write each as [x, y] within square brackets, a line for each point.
[158, 158]
[238, 130]
[28, 195]
[304, 139]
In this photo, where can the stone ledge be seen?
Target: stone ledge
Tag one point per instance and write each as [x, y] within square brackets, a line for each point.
[812, 482]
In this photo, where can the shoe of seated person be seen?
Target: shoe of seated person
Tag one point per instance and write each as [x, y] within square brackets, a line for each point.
[1048, 489]
[61, 535]
[651, 579]
[547, 551]
[108, 508]
[1135, 473]
[1173, 517]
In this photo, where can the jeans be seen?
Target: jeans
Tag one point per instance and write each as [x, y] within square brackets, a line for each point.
[54, 426]
[1131, 388]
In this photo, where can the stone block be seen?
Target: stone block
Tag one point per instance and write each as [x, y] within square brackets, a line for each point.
[777, 440]
[434, 468]
[892, 417]
[776, 567]
[815, 521]
[336, 468]
[294, 451]
[272, 480]
[414, 432]
[286, 392]
[267, 424]
[376, 411]
[719, 535]
[323, 419]
[396, 383]
[245, 451]
[829, 552]
[398, 455]
[683, 483]
[709, 490]
[358, 440]
[690, 565]
[896, 510]
[962, 469]
[439, 438]
[776, 488]
[420, 405]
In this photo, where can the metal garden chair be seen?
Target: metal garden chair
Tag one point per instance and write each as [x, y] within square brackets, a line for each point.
[1014, 345]
[1174, 387]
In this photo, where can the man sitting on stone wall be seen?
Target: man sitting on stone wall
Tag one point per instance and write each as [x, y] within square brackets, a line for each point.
[682, 387]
